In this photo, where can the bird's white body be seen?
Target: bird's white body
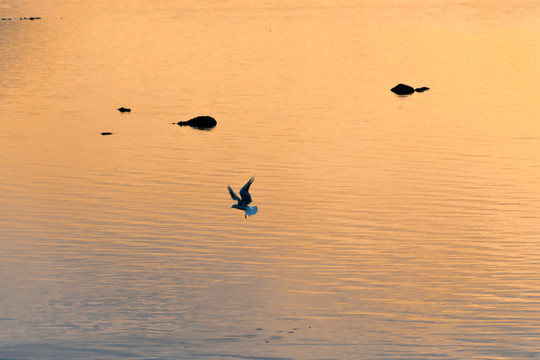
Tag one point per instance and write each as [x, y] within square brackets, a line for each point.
[251, 210]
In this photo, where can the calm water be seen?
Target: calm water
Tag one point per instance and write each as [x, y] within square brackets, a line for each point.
[388, 228]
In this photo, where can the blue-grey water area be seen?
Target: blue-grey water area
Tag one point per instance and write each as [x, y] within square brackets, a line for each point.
[388, 227]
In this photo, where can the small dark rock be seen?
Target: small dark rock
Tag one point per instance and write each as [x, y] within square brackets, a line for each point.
[25, 18]
[106, 133]
[200, 122]
[123, 109]
[402, 89]
[421, 89]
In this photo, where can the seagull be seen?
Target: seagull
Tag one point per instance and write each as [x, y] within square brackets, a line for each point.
[244, 200]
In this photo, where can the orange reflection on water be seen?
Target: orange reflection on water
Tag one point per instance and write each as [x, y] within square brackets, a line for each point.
[404, 226]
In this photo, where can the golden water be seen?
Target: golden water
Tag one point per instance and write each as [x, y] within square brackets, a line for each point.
[388, 228]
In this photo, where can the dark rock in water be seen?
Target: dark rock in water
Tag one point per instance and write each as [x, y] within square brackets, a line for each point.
[123, 109]
[200, 122]
[402, 89]
[421, 89]
[106, 133]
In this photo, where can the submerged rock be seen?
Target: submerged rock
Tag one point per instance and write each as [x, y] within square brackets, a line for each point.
[123, 109]
[402, 89]
[200, 122]
[421, 89]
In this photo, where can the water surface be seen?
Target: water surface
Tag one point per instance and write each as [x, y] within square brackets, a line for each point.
[388, 228]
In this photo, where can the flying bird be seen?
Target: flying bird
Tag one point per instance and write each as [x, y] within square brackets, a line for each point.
[244, 200]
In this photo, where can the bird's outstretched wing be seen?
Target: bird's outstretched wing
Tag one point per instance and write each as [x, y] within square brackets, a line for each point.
[233, 195]
[244, 192]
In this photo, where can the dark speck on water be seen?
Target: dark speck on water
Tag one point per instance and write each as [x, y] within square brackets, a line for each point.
[123, 109]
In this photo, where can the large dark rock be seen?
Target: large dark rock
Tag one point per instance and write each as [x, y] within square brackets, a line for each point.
[200, 122]
[402, 89]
